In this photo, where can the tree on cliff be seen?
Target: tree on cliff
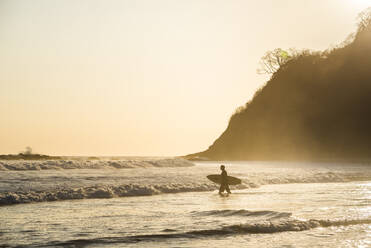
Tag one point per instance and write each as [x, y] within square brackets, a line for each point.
[364, 19]
[272, 61]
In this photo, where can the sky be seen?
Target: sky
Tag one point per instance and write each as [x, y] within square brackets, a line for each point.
[144, 77]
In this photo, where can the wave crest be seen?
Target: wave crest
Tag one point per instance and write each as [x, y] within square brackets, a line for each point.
[266, 227]
[242, 212]
[99, 191]
[92, 164]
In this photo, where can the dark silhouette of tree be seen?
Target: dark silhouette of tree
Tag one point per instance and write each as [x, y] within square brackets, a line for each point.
[364, 19]
[272, 61]
[28, 150]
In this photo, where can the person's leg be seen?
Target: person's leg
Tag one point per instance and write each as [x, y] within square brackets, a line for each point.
[227, 188]
[222, 188]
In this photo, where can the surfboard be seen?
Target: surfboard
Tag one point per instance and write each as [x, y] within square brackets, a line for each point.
[218, 178]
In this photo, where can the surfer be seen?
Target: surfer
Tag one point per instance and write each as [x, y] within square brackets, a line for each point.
[224, 182]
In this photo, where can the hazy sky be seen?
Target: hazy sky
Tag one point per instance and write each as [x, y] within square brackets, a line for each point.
[143, 77]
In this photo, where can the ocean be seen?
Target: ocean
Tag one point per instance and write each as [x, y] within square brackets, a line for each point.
[169, 202]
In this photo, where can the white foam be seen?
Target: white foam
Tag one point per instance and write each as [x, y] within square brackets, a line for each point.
[291, 225]
[99, 191]
[265, 227]
[39, 181]
[92, 164]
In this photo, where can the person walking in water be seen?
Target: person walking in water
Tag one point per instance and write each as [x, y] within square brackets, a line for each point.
[224, 182]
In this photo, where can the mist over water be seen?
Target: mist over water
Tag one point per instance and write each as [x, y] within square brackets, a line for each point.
[278, 204]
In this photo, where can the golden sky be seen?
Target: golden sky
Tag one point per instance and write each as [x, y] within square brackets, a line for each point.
[143, 77]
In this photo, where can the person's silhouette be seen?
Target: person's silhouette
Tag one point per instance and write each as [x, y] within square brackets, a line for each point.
[224, 182]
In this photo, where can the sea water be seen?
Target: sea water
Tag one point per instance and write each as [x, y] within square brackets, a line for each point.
[170, 203]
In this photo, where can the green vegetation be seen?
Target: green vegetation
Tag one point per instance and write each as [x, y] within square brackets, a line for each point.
[316, 106]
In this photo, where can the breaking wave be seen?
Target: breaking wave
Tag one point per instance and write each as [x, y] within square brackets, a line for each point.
[246, 213]
[266, 227]
[92, 164]
[111, 191]
[256, 180]
[99, 191]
